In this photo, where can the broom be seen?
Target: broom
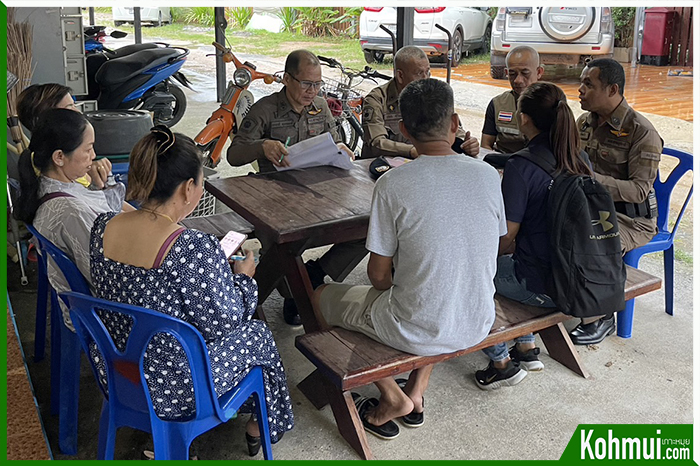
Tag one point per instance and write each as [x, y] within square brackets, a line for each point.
[19, 63]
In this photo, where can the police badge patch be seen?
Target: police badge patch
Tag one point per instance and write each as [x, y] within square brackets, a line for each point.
[368, 113]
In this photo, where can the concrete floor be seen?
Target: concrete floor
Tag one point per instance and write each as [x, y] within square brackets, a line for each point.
[645, 379]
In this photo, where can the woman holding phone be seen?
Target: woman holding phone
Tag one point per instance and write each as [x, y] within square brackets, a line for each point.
[146, 258]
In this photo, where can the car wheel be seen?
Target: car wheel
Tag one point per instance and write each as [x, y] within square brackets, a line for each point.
[566, 28]
[486, 40]
[372, 56]
[498, 72]
[457, 44]
[118, 23]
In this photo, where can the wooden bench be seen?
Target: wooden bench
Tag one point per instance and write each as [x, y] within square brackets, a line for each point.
[219, 224]
[348, 360]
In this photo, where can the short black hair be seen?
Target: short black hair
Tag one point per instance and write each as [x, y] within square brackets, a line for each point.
[611, 72]
[426, 105]
[297, 58]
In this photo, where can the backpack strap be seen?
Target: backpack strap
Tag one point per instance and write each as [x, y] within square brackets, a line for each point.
[166, 245]
[545, 161]
[49, 196]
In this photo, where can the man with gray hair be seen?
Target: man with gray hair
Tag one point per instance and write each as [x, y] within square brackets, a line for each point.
[501, 131]
[440, 297]
[381, 116]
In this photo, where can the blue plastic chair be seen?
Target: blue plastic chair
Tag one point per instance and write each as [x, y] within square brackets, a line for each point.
[65, 349]
[663, 241]
[127, 400]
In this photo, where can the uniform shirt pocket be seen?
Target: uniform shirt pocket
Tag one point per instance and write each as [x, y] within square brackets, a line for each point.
[612, 162]
[283, 129]
[316, 125]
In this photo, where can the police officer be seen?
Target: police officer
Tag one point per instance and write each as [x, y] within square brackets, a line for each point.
[286, 117]
[381, 115]
[282, 119]
[501, 131]
[625, 150]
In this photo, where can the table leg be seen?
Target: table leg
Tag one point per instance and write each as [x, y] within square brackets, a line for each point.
[560, 348]
[300, 285]
[268, 272]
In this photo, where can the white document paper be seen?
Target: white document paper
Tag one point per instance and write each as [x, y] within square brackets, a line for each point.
[316, 151]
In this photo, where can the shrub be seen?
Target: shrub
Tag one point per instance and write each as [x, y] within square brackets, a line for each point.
[327, 21]
[202, 15]
[623, 17]
[289, 17]
[238, 17]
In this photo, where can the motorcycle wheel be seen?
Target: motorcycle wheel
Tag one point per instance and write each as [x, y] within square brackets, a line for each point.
[206, 150]
[178, 109]
[348, 134]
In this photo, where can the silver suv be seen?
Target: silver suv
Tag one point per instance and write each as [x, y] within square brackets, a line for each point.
[562, 35]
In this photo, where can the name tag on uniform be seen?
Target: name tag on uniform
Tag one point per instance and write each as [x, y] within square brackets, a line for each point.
[505, 116]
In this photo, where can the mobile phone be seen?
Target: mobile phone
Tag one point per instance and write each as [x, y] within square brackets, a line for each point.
[232, 242]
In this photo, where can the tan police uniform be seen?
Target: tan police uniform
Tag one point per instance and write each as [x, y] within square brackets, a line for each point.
[625, 151]
[380, 123]
[273, 117]
[509, 139]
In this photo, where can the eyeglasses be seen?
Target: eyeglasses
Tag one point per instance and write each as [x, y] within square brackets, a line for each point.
[306, 85]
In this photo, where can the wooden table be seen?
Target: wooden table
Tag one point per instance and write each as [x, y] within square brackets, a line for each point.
[293, 211]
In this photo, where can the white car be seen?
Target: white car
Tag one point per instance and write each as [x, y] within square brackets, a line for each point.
[470, 29]
[562, 35]
[149, 14]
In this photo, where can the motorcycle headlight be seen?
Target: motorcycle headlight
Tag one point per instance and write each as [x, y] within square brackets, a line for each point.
[242, 77]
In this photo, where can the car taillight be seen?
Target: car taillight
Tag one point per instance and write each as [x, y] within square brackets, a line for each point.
[430, 10]
[374, 8]
[606, 22]
[501, 19]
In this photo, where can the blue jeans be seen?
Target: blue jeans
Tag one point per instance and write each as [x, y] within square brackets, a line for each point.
[508, 285]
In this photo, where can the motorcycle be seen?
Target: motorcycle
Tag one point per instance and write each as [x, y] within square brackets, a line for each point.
[236, 103]
[137, 76]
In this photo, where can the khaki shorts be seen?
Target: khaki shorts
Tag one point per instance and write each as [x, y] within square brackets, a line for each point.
[350, 307]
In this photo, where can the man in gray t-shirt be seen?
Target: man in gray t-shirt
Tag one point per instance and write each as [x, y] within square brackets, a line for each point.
[437, 220]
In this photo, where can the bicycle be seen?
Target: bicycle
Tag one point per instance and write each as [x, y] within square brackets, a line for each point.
[344, 101]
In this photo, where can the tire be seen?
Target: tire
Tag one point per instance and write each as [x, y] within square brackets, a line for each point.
[206, 153]
[486, 41]
[117, 131]
[159, 23]
[567, 31]
[457, 45]
[372, 56]
[178, 109]
[348, 134]
[498, 72]
[118, 23]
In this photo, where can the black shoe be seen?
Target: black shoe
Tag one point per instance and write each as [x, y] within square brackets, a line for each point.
[290, 312]
[492, 378]
[528, 360]
[411, 419]
[316, 274]
[253, 443]
[593, 333]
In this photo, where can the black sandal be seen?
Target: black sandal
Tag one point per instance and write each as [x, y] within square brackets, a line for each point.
[387, 431]
[412, 419]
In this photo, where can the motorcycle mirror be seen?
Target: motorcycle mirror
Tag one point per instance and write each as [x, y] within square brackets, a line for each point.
[118, 34]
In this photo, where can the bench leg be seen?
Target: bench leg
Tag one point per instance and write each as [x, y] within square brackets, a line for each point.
[312, 388]
[348, 420]
[561, 349]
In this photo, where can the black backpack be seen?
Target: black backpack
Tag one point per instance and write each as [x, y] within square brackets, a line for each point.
[588, 274]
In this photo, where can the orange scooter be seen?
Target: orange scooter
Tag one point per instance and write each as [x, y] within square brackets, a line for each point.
[236, 103]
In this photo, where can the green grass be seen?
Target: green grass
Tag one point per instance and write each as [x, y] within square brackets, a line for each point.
[347, 51]
[683, 256]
